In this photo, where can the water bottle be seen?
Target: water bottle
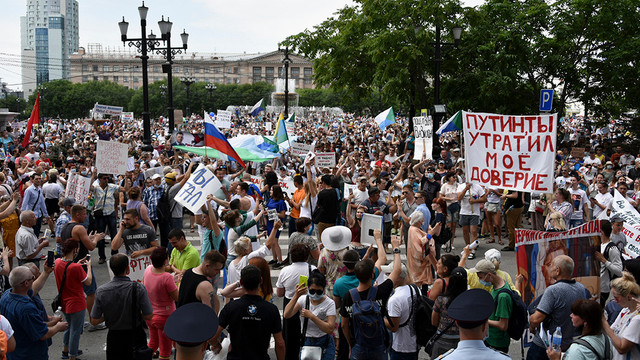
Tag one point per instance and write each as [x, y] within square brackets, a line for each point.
[474, 245]
[556, 340]
[59, 313]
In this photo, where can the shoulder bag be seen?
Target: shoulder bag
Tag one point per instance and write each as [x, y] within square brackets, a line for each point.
[308, 352]
[57, 301]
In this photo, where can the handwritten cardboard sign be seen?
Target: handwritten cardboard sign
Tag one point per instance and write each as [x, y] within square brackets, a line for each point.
[326, 159]
[112, 157]
[423, 130]
[78, 188]
[194, 193]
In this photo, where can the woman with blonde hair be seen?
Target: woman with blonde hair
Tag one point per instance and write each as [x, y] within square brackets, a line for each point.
[556, 222]
[625, 331]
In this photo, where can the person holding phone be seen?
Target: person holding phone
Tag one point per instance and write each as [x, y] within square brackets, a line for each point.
[72, 295]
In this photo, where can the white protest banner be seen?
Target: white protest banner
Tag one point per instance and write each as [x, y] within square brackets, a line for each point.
[194, 193]
[154, 170]
[107, 109]
[290, 126]
[369, 224]
[331, 139]
[256, 180]
[326, 159]
[300, 149]
[112, 157]
[423, 130]
[223, 119]
[127, 116]
[78, 188]
[510, 152]
[287, 187]
[131, 163]
[137, 267]
[631, 226]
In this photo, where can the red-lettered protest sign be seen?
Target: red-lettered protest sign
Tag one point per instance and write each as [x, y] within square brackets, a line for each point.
[112, 157]
[510, 152]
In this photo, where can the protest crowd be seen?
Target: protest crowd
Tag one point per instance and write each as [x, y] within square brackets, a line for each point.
[375, 248]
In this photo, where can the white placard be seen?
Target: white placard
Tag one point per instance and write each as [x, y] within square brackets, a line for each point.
[78, 188]
[256, 180]
[107, 109]
[327, 159]
[510, 152]
[287, 186]
[223, 119]
[111, 157]
[300, 149]
[127, 116]
[131, 163]
[268, 126]
[137, 267]
[193, 194]
[423, 133]
[631, 225]
[154, 170]
[290, 126]
[353, 187]
[272, 214]
[370, 223]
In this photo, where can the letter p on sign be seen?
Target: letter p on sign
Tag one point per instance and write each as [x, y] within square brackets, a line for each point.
[546, 99]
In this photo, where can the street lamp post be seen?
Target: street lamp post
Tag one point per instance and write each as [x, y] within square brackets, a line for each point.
[286, 61]
[169, 52]
[210, 88]
[438, 46]
[141, 44]
[188, 81]
[163, 93]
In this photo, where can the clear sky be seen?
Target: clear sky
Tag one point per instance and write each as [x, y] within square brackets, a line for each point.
[213, 25]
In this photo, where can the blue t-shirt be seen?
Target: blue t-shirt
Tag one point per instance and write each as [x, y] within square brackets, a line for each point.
[28, 326]
[278, 205]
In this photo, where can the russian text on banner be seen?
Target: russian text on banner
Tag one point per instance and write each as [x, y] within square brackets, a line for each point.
[193, 194]
[78, 188]
[423, 133]
[510, 152]
[112, 157]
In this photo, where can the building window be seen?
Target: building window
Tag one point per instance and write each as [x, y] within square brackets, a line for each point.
[186, 69]
[95, 78]
[216, 70]
[116, 68]
[156, 69]
[196, 70]
[176, 69]
[307, 81]
[155, 78]
[235, 70]
[125, 79]
[257, 73]
[105, 78]
[269, 74]
[135, 79]
[125, 68]
[85, 68]
[115, 79]
[85, 78]
[295, 72]
[136, 68]
[280, 72]
[105, 68]
[228, 80]
[229, 70]
[236, 81]
[95, 67]
[307, 72]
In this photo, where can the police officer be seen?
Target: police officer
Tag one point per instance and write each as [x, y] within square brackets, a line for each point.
[190, 327]
[471, 310]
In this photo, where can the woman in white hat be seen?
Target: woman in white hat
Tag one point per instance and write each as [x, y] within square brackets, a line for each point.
[335, 241]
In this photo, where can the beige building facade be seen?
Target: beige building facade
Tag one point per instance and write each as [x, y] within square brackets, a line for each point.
[125, 68]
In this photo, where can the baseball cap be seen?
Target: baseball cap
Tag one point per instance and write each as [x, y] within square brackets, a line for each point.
[484, 266]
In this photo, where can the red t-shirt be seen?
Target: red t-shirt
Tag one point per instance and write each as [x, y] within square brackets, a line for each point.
[73, 299]
[159, 286]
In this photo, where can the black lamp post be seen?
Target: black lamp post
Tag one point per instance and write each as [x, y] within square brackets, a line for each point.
[163, 93]
[18, 106]
[210, 88]
[169, 52]
[141, 44]
[286, 61]
[438, 45]
[188, 81]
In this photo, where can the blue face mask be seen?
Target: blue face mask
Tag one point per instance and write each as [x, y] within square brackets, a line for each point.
[429, 175]
[310, 232]
[484, 283]
[315, 297]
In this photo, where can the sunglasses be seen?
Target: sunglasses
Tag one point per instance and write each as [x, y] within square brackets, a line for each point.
[316, 291]
[404, 193]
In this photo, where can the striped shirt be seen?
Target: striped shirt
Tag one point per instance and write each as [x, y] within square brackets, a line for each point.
[150, 197]
[104, 198]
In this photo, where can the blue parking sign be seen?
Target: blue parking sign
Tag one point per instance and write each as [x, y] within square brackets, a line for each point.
[546, 99]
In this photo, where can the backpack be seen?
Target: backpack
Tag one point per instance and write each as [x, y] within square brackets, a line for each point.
[367, 319]
[519, 319]
[608, 248]
[607, 347]
[163, 208]
[421, 310]
[444, 237]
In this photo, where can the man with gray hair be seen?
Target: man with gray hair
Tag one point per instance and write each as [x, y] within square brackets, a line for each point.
[28, 246]
[400, 319]
[30, 331]
[556, 303]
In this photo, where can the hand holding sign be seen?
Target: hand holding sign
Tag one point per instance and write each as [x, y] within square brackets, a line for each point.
[194, 193]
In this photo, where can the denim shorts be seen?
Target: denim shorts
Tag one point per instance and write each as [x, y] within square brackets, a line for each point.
[454, 213]
[90, 289]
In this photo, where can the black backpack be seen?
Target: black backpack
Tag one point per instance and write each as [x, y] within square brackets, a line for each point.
[421, 310]
[519, 319]
[163, 208]
[608, 248]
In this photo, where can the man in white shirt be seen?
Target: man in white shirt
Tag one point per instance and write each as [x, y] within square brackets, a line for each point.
[564, 179]
[580, 202]
[400, 320]
[470, 197]
[602, 200]
[28, 246]
[592, 160]
[359, 195]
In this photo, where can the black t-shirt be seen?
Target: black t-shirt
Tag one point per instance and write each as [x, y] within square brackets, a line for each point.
[251, 321]
[514, 203]
[65, 234]
[431, 187]
[328, 201]
[188, 286]
[382, 296]
[138, 239]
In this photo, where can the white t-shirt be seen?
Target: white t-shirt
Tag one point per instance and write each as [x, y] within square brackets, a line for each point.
[579, 199]
[399, 306]
[288, 278]
[305, 207]
[563, 182]
[52, 190]
[449, 190]
[234, 269]
[627, 326]
[476, 191]
[323, 310]
[605, 199]
[6, 326]
[589, 161]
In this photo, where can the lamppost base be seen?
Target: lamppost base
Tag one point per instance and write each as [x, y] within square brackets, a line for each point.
[147, 148]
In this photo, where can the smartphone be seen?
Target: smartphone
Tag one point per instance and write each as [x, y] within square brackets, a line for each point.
[302, 280]
[50, 258]
[47, 232]
[350, 191]
[88, 257]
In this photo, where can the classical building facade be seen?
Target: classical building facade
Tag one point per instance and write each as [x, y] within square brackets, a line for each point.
[125, 68]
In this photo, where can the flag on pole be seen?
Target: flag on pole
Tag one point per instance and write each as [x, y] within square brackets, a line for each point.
[385, 118]
[268, 145]
[33, 120]
[453, 124]
[281, 131]
[292, 118]
[259, 106]
[214, 139]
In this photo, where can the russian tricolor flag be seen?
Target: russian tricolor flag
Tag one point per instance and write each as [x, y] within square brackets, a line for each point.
[214, 139]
